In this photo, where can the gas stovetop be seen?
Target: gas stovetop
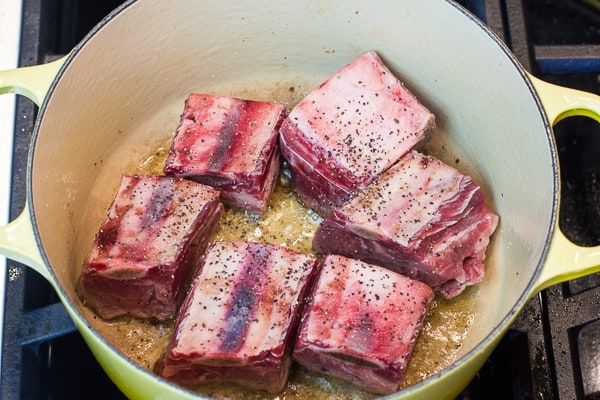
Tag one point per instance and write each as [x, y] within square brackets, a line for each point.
[9, 51]
[551, 351]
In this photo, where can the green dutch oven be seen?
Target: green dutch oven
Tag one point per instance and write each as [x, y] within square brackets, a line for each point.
[119, 93]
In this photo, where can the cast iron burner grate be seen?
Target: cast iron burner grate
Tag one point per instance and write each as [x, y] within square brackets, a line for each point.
[552, 350]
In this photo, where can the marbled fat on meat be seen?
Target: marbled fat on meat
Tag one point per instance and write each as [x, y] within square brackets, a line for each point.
[350, 129]
[361, 323]
[144, 252]
[240, 317]
[230, 144]
[421, 218]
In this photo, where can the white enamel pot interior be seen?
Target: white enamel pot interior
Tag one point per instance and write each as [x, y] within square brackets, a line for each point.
[118, 96]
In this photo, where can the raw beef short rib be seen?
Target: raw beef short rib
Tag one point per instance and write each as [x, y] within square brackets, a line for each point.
[151, 239]
[361, 323]
[350, 129]
[239, 319]
[230, 144]
[421, 218]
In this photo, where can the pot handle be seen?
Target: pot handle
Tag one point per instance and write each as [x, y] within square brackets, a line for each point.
[17, 242]
[17, 239]
[32, 82]
[566, 260]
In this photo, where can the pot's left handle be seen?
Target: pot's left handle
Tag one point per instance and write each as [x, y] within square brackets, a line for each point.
[17, 240]
[32, 82]
[566, 260]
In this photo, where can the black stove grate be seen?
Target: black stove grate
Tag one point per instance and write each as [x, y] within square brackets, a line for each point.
[552, 350]
[559, 41]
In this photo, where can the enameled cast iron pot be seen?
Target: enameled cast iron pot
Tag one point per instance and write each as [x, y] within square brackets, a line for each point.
[119, 93]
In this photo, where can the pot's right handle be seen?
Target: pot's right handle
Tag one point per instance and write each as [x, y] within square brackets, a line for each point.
[566, 260]
[17, 239]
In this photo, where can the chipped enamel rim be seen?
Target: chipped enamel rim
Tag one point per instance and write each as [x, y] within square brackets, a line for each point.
[21, 241]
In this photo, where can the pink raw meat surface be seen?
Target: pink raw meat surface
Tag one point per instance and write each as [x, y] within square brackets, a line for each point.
[350, 129]
[240, 317]
[361, 323]
[230, 144]
[146, 248]
[421, 218]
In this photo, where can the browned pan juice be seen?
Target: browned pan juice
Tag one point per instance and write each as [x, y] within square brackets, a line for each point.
[288, 222]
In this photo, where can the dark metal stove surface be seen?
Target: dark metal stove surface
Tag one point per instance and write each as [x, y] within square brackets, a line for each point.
[551, 352]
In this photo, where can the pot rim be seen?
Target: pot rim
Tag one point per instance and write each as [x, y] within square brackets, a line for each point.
[480, 347]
